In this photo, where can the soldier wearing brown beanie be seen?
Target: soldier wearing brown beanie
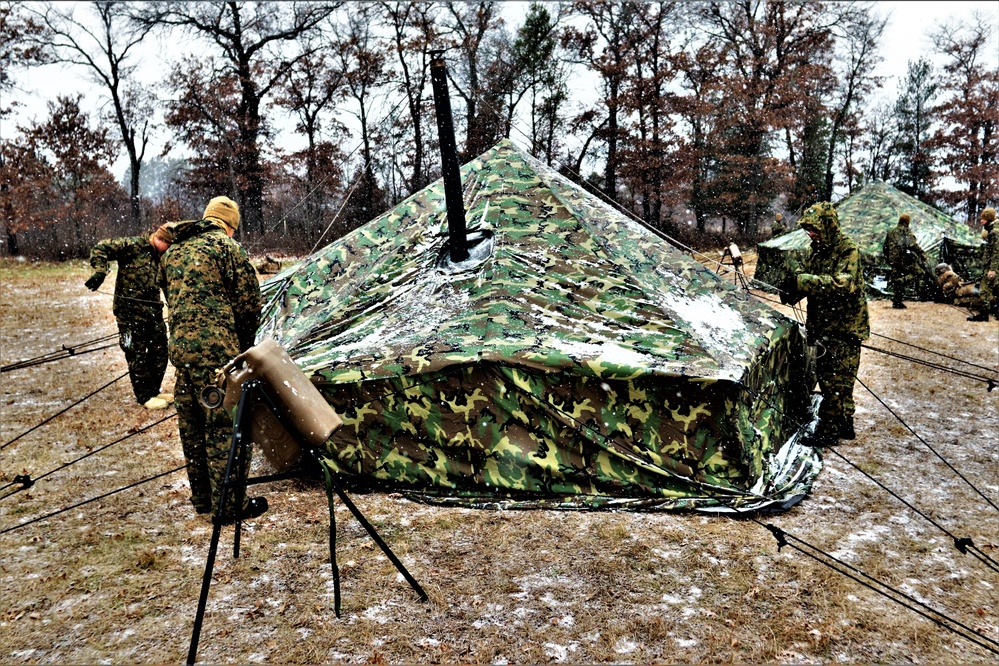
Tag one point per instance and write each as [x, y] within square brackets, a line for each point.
[214, 301]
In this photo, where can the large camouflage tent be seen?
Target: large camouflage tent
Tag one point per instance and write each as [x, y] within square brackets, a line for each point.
[866, 216]
[576, 360]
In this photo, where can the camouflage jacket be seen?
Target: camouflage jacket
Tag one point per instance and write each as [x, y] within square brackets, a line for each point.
[136, 289]
[833, 279]
[990, 256]
[901, 249]
[213, 295]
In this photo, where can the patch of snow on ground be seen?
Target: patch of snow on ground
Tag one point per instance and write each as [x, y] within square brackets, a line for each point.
[556, 652]
[625, 646]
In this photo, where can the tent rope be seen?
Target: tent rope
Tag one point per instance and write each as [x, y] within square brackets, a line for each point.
[963, 544]
[945, 621]
[26, 481]
[89, 395]
[65, 352]
[924, 442]
[92, 499]
[135, 484]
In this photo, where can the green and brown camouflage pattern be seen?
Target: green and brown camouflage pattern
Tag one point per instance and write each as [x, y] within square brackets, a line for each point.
[136, 287]
[990, 262]
[908, 266]
[832, 278]
[137, 308]
[213, 296]
[866, 216]
[214, 302]
[580, 362]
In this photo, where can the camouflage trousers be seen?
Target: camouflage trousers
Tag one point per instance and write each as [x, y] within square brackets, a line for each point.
[987, 293]
[205, 436]
[903, 282]
[836, 370]
[144, 341]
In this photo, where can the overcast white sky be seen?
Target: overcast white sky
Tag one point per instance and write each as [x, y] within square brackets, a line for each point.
[906, 39]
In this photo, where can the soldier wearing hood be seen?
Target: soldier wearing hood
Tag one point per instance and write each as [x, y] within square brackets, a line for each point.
[214, 302]
[837, 321]
[137, 307]
[906, 260]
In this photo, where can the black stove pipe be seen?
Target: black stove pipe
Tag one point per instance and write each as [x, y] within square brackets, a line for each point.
[457, 241]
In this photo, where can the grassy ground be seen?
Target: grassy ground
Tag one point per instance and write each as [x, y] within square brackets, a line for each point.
[117, 580]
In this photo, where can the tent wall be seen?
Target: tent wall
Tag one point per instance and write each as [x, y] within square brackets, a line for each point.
[490, 433]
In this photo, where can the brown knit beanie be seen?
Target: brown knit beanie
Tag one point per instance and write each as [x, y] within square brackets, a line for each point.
[903, 218]
[224, 210]
[989, 214]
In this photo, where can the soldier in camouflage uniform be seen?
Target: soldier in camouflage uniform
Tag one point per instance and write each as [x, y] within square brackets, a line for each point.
[214, 302]
[833, 280]
[990, 267]
[906, 260]
[137, 309]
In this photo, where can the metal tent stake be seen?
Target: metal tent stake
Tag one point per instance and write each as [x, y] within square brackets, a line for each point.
[255, 391]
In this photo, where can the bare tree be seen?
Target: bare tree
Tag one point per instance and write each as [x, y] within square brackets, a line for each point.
[363, 66]
[470, 26]
[605, 47]
[105, 44]
[860, 32]
[413, 34]
[969, 115]
[311, 92]
[249, 38]
[23, 43]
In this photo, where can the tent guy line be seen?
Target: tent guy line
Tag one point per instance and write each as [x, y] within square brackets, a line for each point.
[89, 395]
[940, 619]
[64, 352]
[26, 481]
[926, 444]
[988, 381]
[962, 544]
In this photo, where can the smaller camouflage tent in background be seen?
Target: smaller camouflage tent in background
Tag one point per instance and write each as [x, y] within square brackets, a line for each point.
[866, 216]
[576, 360]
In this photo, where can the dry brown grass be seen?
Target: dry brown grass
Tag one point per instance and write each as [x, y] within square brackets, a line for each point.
[118, 580]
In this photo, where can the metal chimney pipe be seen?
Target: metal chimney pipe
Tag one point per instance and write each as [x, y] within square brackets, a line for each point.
[449, 159]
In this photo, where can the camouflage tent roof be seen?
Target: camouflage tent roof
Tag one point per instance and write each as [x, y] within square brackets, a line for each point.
[575, 360]
[866, 216]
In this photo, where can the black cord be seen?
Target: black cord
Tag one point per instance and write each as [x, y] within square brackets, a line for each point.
[89, 395]
[962, 544]
[28, 482]
[92, 499]
[68, 354]
[938, 618]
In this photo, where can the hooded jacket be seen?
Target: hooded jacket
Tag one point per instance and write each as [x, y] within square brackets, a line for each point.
[833, 279]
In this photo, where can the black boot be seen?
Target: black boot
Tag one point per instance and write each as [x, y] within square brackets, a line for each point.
[255, 506]
[846, 430]
[898, 306]
[981, 316]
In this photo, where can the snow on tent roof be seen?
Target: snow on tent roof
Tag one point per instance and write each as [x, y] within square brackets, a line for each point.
[575, 360]
[866, 216]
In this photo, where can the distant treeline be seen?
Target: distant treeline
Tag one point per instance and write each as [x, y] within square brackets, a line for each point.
[693, 114]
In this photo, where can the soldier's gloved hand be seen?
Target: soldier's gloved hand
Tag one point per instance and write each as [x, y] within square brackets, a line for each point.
[95, 281]
[788, 290]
